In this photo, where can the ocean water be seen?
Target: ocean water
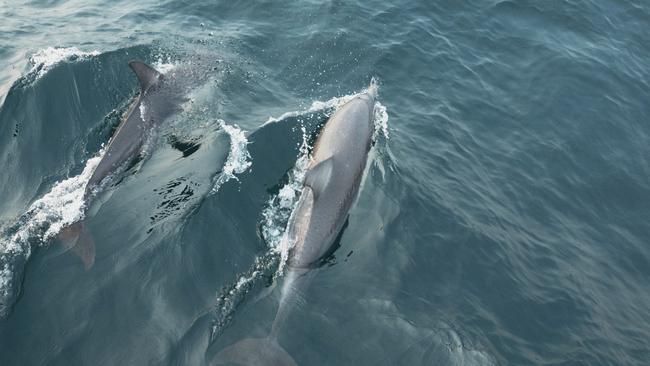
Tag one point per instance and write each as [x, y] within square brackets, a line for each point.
[504, 218]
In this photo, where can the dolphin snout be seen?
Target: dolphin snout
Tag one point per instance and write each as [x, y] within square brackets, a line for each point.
[368, 97]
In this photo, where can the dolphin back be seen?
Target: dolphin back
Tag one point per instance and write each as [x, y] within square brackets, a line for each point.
[333, 178]
[254, 352]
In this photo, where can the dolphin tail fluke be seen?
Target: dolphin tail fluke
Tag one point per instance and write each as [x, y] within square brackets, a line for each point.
[80, 242]
[254, 352]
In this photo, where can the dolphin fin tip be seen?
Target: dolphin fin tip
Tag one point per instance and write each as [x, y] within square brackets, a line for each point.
[318, 176]
[147, 75]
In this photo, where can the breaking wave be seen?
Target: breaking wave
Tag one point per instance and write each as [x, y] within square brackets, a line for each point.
[62, 206]
[43, 60]
[238, 160]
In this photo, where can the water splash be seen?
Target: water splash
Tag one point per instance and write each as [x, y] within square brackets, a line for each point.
[143, 111]
[164, 66]
[238, 160]
[43, 60]
[62, 206]
[381, 122]
[276, 215]
[316, 106]
[333, 104]
[280, 207]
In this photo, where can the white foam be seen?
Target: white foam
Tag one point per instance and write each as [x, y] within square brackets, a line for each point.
[381, 121]
[62, 206]
[143, 111]
[43, 60]
[164, 66]
[333, 103]
[280, 207]
[316, 106]
[380, 115]
[238, 160]
[6, 275]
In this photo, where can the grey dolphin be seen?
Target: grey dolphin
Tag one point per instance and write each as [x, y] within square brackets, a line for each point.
[150, 106]
[158, 99]
[331, 185]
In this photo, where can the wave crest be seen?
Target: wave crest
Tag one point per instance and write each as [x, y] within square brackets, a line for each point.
[62, 206]
[44, 59]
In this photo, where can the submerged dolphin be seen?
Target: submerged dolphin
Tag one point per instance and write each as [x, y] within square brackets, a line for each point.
[157, 101]
[331, 185]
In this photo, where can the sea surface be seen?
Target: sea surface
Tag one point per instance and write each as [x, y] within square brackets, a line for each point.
[504, 216]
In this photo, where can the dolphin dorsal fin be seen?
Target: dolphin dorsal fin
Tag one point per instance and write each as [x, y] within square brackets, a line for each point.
[147, 75]
[318, 176]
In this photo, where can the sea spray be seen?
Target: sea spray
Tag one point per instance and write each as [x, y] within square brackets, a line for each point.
[44, 59]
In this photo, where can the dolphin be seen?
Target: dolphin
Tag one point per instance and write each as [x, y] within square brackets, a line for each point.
[330, 188]
[159, 98]
[130, 135]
